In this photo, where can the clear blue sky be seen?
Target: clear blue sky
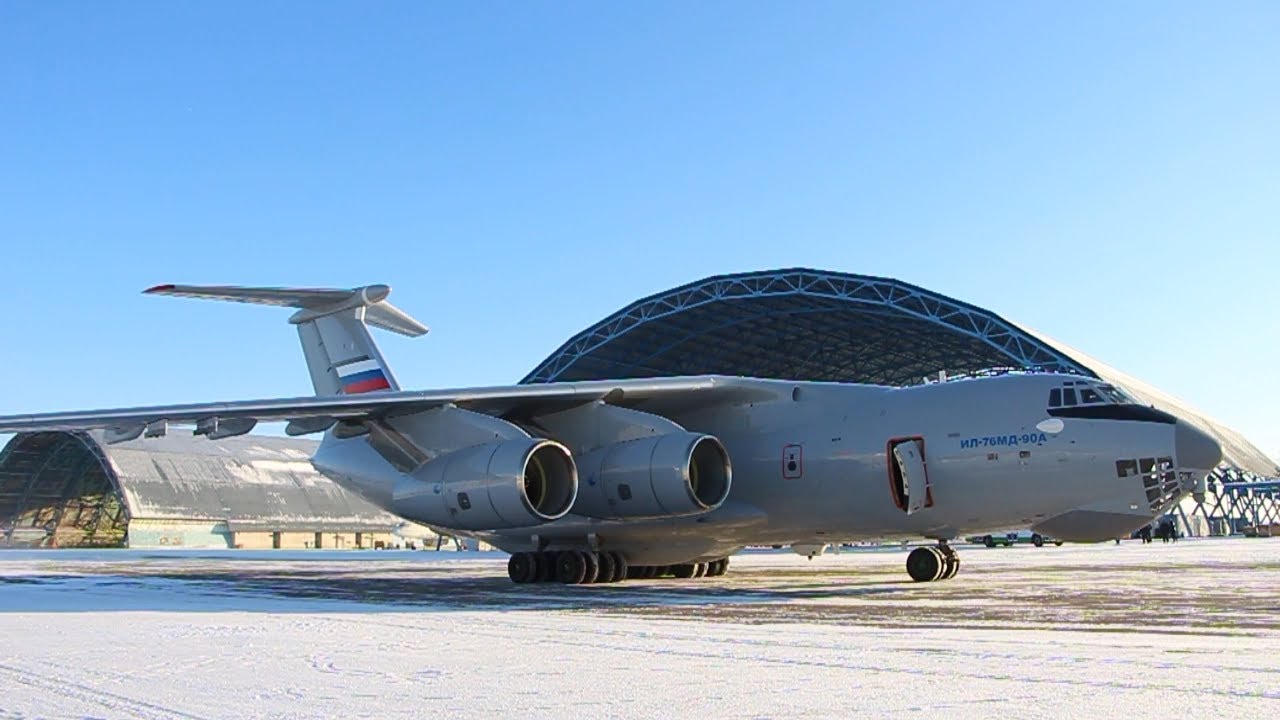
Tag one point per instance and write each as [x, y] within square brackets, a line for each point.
[1107, 173]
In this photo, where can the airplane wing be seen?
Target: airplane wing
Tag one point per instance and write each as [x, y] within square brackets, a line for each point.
[318, 413]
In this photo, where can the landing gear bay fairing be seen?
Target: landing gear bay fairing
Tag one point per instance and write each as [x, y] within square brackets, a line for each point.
[600, 481]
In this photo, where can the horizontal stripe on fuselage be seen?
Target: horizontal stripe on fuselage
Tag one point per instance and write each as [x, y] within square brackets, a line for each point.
[1139, 413]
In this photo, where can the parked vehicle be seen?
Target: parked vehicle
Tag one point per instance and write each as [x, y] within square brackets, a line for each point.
[1011, 538]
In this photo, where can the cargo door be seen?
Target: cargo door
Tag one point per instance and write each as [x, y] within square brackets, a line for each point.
[908, 475]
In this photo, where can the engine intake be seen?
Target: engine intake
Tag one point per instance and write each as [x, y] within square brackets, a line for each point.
[668, 475]
[514, 483]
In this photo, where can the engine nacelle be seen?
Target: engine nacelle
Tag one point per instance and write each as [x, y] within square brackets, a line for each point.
[513, 483]
[669, 475]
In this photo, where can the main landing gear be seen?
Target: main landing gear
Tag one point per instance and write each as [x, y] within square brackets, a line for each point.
[926, 564]
[579, 567]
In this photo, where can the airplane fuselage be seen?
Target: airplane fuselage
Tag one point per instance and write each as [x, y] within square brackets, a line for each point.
[815, 463]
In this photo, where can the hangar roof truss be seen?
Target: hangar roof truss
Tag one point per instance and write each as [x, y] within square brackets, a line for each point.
[799, 324]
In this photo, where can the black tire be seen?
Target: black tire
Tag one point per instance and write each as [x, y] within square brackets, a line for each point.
[547, 566]
[1058, 543]
[684, 571]
[620, 568]
[571, 567]
[989, 541]
[951, 563]
[604, 567]
[1037, 541]
[925, 564]
[592, 565]
[521, 568]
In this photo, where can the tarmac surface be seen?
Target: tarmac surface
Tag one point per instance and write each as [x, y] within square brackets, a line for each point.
[1072, 631]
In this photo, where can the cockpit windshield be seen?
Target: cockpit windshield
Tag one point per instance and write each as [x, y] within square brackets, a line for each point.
[1115, 395]
[1083, 392]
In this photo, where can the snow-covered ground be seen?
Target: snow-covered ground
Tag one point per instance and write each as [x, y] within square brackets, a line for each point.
[1180, 630]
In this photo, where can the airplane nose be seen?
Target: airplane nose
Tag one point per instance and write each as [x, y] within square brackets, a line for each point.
[1195, 448]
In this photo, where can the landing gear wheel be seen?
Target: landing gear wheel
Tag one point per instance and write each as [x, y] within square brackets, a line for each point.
[1057, 543]
[571, 567]
[925, 564]
[950, 562]
[546, 566]
[1037, 540]
[604, 567]
[620, 569]
[592, 567]
[521, 568]
[989, 541]
[685, 571]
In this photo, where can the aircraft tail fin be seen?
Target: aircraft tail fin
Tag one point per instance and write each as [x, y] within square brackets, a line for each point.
[333, 326]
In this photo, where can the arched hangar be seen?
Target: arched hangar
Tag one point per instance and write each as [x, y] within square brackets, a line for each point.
[70, 489]
[807, 324]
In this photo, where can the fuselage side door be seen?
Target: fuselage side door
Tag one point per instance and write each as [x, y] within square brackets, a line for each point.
[908, 475]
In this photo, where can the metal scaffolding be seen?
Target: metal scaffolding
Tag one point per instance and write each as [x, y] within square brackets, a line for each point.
[1234, 502]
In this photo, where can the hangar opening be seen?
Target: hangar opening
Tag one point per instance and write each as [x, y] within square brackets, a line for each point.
[57, 489]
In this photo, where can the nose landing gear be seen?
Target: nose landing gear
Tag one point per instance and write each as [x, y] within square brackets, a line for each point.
[927, 564]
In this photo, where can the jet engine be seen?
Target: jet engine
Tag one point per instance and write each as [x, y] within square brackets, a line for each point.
[512, 483]
[674, 474]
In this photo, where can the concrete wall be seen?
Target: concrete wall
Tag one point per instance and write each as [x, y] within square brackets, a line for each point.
[178, 533]
[266, 540]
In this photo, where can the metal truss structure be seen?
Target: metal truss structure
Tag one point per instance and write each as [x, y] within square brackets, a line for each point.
[57, 489]
[1235, 502]
[799, 324]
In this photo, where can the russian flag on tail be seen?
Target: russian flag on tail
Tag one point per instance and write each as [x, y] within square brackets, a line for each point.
[361, 377]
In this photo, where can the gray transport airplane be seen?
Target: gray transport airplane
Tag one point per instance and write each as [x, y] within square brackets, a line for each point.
[604, 480]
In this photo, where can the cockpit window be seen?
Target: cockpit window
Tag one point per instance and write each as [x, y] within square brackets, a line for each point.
[1078, 392]
[1114, 395]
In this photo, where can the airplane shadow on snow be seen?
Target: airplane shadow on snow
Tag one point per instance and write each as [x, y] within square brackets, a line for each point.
[300, 590]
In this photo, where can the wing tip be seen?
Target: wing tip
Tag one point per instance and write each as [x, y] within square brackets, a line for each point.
[159, 289]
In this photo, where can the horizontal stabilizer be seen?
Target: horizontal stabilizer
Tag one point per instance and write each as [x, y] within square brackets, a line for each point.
[311, 303]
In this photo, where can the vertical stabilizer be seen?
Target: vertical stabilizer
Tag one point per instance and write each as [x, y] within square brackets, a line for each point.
[333, 326]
